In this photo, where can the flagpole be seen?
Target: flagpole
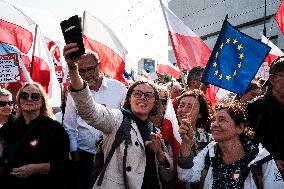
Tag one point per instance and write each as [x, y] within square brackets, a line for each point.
[172, 41]
[32, 62]
[264, 19]
[226, 17]
[83, 21]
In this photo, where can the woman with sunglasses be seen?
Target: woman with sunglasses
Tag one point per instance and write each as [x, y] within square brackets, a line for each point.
[38, 146]
[6, 107]
[232, 161]
[144, 161]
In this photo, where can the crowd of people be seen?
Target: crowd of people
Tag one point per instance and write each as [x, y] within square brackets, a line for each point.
[111, 136]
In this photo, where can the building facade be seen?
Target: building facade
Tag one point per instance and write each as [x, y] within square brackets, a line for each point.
[146, 64]
[205, 18]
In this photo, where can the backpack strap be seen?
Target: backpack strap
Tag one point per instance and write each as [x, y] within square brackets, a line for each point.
[122, 134]
[257, 176]
[256, 170]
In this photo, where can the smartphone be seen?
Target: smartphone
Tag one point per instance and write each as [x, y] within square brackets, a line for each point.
[72, 32]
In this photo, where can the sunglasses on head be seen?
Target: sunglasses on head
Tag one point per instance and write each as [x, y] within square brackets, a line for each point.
[4, 103]
[34, 96]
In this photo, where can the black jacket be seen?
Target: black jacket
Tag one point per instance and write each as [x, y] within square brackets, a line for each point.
[46, 142]
[267, 119]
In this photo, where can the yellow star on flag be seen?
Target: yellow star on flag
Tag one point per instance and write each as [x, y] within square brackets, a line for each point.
[235, 41]
[241, 56]
[217, 54]
[235, 72]
[240, 47]
[222, 45]
[228, 77]
[239, 65]
[220, 76]
[228, 40]
[216, 72]
[214, 64]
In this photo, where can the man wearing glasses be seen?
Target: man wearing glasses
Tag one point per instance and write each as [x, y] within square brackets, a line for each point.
[83, 137]
[266, 114]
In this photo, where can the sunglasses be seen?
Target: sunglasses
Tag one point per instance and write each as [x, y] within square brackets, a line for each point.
[34, 96]
[4, 103]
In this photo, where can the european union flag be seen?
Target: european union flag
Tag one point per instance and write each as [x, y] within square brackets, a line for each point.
[234, 60]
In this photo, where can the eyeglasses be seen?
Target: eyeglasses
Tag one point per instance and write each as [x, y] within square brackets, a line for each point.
[34, 96]
[4, 103]
[147, 95]
[89, 70]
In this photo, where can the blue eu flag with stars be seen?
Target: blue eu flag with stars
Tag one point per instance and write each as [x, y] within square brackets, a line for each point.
[234, 60]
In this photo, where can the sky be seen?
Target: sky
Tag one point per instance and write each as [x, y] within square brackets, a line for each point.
[138, 24]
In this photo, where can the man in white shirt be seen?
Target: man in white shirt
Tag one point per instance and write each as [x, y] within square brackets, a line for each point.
[83, 137]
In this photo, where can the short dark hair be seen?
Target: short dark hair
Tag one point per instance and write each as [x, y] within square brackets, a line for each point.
[277, 65]
[155, 109]
[235, 109]
[194, 73]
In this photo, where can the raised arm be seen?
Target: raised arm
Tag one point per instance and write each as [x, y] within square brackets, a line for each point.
[96, 115]
[76, 80]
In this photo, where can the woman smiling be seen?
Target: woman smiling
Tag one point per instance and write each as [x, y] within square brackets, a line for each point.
[231, 161]
[141, 160]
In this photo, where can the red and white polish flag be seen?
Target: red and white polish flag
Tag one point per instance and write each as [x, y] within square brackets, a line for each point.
[170, 130]
[21, 32]
[190, 50]
[279, 17]
[164, 66]
[15, 27]
[43, 71]
[274, 52]
[53, 48]
[99, 38]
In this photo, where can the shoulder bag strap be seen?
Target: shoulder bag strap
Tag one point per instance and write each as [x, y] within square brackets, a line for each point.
[122, 134]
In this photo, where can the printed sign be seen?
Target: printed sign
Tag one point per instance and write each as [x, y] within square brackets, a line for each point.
[9, 68]
[59, 73]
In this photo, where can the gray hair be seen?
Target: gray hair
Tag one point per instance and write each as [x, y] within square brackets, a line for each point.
[5, 92]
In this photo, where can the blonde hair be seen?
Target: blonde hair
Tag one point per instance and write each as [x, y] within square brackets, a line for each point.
[45, 109]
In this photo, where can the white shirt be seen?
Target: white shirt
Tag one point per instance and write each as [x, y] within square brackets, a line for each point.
[111, 94]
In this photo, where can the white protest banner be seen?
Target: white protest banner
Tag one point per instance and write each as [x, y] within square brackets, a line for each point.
[9, 68]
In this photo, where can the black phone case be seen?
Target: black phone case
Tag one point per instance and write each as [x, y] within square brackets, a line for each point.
[72, 33]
